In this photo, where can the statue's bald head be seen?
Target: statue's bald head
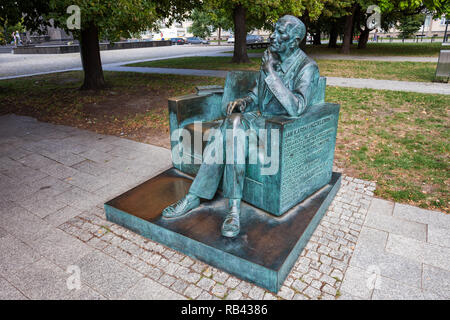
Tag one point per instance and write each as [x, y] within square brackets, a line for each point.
[294, 26]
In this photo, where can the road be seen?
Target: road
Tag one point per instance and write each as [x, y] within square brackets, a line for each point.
[28, 64]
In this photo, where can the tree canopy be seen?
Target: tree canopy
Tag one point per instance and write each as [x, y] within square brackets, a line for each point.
[106, 19]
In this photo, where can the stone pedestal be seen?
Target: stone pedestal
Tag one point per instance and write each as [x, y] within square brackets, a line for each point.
[263, 253]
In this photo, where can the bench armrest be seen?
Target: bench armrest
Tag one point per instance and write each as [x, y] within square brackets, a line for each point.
[186, 109]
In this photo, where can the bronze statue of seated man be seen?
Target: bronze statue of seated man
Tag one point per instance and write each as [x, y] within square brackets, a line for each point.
[286, 84]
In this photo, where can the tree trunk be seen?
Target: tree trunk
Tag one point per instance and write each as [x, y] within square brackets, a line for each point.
[363, 38]
[316, 38]
[333, 36]
[240, 35]
[220, 32]
[90, 57]
[348, 32]
[306, 21]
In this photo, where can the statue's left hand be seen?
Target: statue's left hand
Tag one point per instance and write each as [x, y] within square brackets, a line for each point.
[238, 103]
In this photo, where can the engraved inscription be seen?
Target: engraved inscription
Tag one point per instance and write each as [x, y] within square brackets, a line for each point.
[307, 159]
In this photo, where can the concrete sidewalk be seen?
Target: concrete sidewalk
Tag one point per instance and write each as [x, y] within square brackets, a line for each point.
[53, 183]
[323, 56]
[14, 65]
[394, 85]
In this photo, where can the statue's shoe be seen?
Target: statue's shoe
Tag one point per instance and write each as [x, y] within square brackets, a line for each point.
[181, 207]
[231, 226]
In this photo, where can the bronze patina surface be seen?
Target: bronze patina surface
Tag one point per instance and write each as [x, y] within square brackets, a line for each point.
[266, 242]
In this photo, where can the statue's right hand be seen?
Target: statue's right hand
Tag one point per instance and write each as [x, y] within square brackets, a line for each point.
[238, 103]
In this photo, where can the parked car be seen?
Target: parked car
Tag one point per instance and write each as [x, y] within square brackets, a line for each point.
[196, 40]
[177, 41]
[249, 39]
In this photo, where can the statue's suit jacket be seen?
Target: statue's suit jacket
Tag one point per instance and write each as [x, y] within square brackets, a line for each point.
[299, 74]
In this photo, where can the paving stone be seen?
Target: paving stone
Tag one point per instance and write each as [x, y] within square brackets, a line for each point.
[329, 289]
[191, 277]
[23, 224]
[232, 282]
[346, 296]
[60, 248]
[147, 289]
[206, 284]
[220, 276]
[416, 214]
[59, 171]
[78, 198]
[3, 233]
[179, 286]
[192, 291]
[93, 168]
[439, 219]
[436, 280]
[48, 187]
[234, 295]
[166, 280]
[154, 273]
[187, 262]
[372, 239]
[356, 283]
[205, 296]
[327, 279]
[299, 296]
[97, 156]
[428, 253]
[42, 207]
[41, 280]
[337, 274]
[393, 290]
[380, 206]
[256, 293]
[15, 255]
[385, 263]
[219, 290]
[36, 161]
[396, 225]
[97, 243]
[286, 293]
[64, 157]
[9, 292]
[84, 293]
[299, 285]
[22, 174]
[327, 260]
[312, 293]
[106, 275]
[17, 192]
[86, 181]
[438, 235]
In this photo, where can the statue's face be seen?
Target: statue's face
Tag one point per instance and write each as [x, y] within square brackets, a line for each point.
[281, 38]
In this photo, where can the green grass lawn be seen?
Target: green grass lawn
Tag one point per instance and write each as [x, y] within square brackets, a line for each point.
[407, 71]
[398, 139]
[420, 49]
